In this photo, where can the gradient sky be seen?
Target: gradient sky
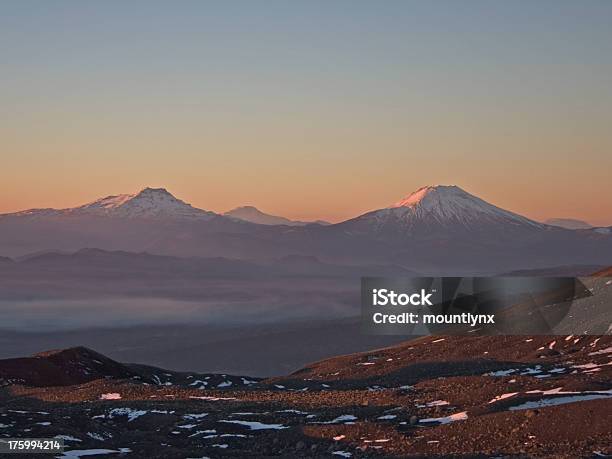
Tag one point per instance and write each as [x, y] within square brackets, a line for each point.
[312, 109]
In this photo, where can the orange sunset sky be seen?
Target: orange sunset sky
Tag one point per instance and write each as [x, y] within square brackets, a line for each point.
[304, 110]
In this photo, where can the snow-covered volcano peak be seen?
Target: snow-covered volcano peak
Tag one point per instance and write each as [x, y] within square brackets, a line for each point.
[160, 193]
[149, 202]
[433, 208]
[451, 203]
[428, 194]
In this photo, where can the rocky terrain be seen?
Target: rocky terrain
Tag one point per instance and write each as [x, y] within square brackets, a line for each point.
[477, 396]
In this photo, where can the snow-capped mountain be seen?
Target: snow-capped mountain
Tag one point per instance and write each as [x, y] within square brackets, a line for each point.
[434, 209]
[148, 203]
[436, 229]
[254, 215]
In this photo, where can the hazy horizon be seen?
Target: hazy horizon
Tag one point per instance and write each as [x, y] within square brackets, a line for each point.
[306, 111]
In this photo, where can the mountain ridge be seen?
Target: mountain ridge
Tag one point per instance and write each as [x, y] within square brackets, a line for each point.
[568, 223]
[253, 215]
[436, 229]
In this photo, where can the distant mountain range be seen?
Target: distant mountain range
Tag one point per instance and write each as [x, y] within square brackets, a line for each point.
[254, 215]
[568, 223]
[436, 229]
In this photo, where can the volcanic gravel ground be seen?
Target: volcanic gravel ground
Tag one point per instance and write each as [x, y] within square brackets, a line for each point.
[432, 397]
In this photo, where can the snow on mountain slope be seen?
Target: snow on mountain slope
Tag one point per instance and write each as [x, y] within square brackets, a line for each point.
[254, 215]
[442, 207]
[148, 203]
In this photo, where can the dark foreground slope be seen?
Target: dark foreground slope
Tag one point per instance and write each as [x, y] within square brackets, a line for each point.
[430, 397]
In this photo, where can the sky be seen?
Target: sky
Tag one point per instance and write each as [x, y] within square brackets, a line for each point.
[310, 109]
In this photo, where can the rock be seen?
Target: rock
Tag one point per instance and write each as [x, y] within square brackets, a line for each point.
[300, 445]
[413, 420]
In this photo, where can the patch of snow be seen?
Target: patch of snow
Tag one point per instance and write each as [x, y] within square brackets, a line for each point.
[339, 419]
[557, 370]
[254, 425]
[434, 403]
[559, 401]
[192, 416]
[462, 416]
[501, 372]
[532, 371]
[200, 432]
[503, 397]
[607, 350]
[199, 382]
[67, 438]
[96, 436]
[129, 412]
[110, 396]
[592, 366]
